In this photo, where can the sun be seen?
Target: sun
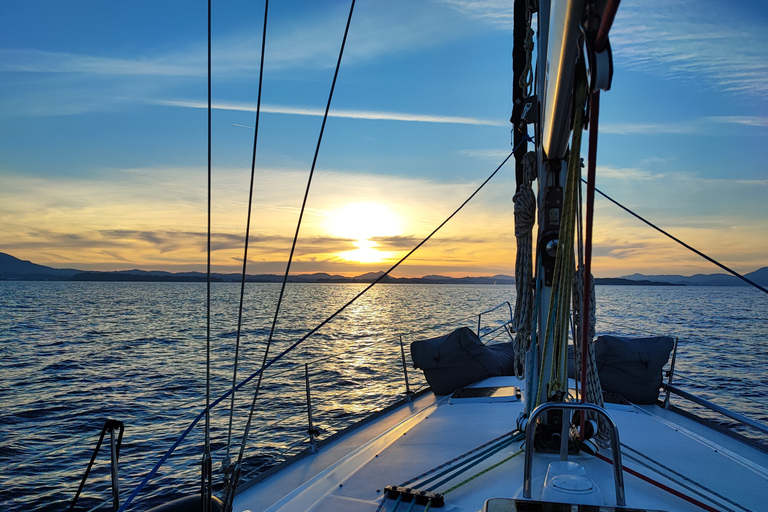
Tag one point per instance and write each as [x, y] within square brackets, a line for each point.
[361, 222]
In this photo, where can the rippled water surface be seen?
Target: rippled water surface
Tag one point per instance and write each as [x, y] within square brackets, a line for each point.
[76, 354]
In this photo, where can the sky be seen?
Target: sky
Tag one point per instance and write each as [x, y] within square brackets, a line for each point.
[103, 136]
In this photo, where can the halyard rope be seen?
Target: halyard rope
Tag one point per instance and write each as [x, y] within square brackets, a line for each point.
[526, 78]
[525, 217]
[556, 331]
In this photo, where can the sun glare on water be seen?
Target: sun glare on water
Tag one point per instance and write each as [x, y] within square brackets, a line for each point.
[362, 222]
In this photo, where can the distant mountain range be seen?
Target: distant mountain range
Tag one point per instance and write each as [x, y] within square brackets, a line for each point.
[758, 276]
[12, 268]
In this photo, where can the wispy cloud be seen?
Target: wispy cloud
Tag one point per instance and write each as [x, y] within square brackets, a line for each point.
[37, 61]
[494, 155]
[296, 40]
[647, 128]
[627, 174]
[316, 112]
[707, 43]
[496, 12]
[700, 126]
[761, 121]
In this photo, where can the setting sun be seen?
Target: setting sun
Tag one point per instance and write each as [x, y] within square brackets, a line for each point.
[361, 222]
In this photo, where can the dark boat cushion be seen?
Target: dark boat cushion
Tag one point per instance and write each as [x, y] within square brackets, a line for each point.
[458, 359]
[631, 367]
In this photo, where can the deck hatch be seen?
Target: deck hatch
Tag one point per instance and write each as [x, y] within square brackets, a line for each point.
[512, 505]
[487, 394]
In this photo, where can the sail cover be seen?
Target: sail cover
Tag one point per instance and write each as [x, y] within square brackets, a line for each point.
[631, 367]
[458, 359]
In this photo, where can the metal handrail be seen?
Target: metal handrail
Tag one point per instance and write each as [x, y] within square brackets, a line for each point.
[613, 431]
[714, 407]
[115, 442]
[480, 315]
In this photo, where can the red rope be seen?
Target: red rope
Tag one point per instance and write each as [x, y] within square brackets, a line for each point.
[661, 486]
[601, 41]
[594, 111]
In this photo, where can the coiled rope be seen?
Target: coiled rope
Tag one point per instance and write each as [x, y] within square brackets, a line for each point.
[592, 390]
[525, 218]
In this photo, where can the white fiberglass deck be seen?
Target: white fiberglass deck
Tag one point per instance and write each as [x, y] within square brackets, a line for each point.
[351, 473]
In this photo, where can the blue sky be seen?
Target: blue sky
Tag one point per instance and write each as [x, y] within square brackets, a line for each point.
[103, 135]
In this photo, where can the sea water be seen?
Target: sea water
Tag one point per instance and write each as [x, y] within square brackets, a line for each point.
[76, 354]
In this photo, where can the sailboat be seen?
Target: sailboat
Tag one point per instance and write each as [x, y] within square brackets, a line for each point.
[510, 428]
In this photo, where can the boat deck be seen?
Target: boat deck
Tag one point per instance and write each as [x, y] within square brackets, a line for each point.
[351, 473]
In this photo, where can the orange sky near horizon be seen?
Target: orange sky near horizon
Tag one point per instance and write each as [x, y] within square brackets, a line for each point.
[109, 228]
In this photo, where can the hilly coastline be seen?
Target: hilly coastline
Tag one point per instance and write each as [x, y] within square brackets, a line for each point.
[15, 269]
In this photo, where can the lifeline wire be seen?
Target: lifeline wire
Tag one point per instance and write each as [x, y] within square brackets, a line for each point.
[226, 462]
[682, 243]
[236, 474]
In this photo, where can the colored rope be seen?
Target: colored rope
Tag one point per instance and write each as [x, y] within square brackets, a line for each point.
[471, 463]
[661, 486]
[452, 461]
[558, 314]
[486, 470]
[679, 475]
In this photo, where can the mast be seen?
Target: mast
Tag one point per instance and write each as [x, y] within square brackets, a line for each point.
[557, 54]
[568, 69]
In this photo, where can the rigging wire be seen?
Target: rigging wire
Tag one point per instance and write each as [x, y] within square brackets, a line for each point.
[236, 472]
[375, 282]
[226, 463]
[731, 271]
[277, 358]
[206, 484]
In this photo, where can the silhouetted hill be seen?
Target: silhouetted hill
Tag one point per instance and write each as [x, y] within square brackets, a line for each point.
[620, 281]
[759, 276]
[14, 268]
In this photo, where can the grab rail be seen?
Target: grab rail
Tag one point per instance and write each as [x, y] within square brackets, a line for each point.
[714, 407]
[613, 431]
[109, 426]
[480, 315]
